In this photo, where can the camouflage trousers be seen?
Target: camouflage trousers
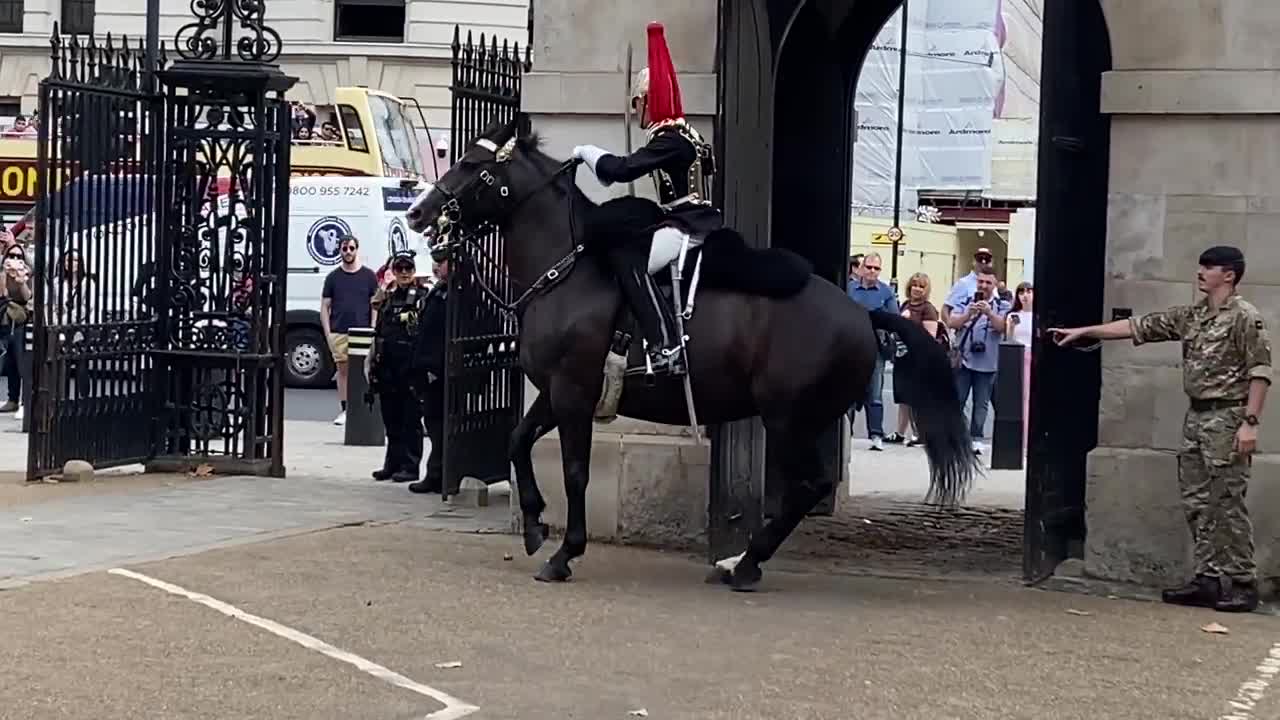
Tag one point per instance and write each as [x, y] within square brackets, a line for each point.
[1214, 480]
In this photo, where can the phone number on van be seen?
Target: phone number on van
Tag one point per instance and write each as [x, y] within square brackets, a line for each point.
[328, 190]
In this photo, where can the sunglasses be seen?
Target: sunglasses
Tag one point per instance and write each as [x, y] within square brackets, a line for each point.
[348, 248]
[402, 268]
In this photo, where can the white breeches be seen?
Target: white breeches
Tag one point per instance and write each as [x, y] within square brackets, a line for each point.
[665, 248]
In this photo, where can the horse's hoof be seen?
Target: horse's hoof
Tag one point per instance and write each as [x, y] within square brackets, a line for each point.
[719, 576]
[535, 535]
[553, 573]
[746, 578]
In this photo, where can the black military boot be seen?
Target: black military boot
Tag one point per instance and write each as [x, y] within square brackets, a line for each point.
[404, 476]
[382, 474]
[427, 486]
[1240, 597]
[1202, 591]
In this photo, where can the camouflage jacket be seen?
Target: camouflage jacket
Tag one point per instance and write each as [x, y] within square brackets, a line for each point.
[1222, 350]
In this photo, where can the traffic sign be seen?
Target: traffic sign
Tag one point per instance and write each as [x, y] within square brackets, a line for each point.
[895, 234]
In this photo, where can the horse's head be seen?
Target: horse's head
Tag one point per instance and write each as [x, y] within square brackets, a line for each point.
[495, 173]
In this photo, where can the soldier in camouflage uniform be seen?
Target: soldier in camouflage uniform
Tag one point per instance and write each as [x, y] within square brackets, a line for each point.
[1226, 363]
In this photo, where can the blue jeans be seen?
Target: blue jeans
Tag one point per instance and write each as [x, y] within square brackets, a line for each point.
[874, 402]
[981, 385]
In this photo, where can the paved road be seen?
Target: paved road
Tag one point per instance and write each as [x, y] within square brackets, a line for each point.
[321, 405]
[352, 622]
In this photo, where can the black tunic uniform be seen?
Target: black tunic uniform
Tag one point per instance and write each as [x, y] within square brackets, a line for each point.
[670, 156]
[395, 380]
[429, 367]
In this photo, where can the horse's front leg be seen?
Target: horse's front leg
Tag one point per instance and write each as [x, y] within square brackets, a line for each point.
[575, 453]
[538, 421]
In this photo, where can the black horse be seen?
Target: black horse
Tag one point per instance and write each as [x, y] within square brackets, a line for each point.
[768, 339]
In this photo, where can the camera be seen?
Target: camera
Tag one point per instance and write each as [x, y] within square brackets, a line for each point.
[978, 347]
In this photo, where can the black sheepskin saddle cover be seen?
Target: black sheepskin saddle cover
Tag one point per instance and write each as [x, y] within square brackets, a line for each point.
[729, 264]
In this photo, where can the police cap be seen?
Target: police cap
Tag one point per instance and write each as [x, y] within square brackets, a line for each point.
[1226, 257]
[403, 259]
[440, 253]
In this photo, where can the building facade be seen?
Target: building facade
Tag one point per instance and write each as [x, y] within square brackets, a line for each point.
[397, 46]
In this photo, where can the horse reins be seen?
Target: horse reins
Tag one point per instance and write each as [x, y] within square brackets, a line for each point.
[452, 211]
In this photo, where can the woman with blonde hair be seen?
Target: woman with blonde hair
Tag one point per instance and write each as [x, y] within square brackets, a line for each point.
[918, 309]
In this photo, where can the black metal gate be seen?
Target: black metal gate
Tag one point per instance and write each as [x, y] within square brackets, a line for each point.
[161, 242]
[483, 383]
[94, 395]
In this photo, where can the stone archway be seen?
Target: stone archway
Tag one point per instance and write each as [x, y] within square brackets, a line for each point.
[788, 69]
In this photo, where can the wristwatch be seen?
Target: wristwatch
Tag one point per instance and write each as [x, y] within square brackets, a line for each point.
[1251, 419]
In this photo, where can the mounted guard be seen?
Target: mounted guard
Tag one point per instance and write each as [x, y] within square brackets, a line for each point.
[682, 165]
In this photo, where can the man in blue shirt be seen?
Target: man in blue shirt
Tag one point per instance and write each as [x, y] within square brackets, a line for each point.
[966, 286]
[872, 294]
[979, 323]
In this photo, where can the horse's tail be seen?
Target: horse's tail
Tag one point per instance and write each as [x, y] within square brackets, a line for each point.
[936, 407]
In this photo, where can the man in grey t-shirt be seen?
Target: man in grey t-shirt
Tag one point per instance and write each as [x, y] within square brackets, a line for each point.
[344, 304]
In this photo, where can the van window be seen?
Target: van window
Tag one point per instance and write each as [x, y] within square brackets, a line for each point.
[353, 128]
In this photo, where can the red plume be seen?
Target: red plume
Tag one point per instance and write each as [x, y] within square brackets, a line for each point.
[664, 88]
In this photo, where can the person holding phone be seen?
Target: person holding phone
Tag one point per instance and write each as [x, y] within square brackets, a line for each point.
[979, 322]
[15, 298]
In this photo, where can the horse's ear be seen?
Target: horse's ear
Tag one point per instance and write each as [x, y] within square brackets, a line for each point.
[524, 126]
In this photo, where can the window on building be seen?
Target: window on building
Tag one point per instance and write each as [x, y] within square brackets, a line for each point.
[77, 17]
[368, 20]
[11, 16]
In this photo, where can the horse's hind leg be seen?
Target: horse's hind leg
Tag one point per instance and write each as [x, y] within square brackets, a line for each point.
[538, 421]
[805, 486]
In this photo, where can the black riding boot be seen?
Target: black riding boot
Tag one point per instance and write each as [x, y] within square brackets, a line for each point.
[657, 318]
[651, 309]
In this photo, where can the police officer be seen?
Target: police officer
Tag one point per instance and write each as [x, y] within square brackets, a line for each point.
[392, 372]
[1226, 354]
[428, 357]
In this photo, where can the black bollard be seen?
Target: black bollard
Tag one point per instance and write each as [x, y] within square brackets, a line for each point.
[1006, 431]
[24, 368]
[364, 424]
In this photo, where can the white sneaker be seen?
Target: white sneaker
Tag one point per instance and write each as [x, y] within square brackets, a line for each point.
[877, 443]
[18, 415]
[341, 419]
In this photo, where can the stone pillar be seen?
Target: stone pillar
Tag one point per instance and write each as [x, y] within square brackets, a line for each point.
[1195, 162]
[649, 482]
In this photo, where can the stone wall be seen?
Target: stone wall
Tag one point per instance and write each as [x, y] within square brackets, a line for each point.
[1195, 155]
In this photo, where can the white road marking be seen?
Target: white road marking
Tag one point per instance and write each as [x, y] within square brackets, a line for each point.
[453, 707]
[1251, 692]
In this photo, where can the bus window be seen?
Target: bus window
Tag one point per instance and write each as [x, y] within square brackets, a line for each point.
[399, 156]
[354, 130]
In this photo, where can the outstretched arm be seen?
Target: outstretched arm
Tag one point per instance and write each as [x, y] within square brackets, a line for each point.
[664, 150]
[1115, 330]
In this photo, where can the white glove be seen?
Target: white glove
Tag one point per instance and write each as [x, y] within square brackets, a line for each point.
[590, 154]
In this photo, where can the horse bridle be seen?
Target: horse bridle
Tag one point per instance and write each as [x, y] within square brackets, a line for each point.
[451, 222]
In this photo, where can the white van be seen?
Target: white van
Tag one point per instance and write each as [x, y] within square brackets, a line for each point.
[322, 210]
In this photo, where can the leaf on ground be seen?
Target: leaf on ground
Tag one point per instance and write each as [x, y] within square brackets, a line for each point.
[203, 470]
[639, 713]
[1081, 613]
[1214, 628]
[448, 665]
